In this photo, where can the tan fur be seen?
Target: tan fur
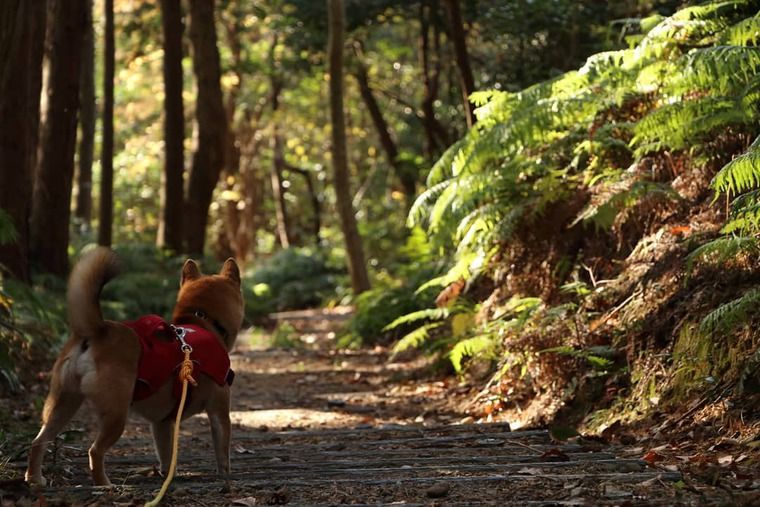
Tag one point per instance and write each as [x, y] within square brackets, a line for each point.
[99, 363]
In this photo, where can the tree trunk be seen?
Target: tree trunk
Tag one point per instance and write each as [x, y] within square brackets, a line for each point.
[170, 225]
[208, 159]
[356, 265]
[51, 201]
[278, 192]
[282, 224]
[316, 206]
[105, 224]
[83, 210]
[436, 136]
[225, 241]
[407, 179]
[245, 223]
[22, 41]
[466, 81]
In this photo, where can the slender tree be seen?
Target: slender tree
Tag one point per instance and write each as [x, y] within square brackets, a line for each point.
[437, 139]
[276, 84]
[52, 189]
[105, 224]
[406, 177]
[170, 225]
[466, 81]
[356, 265]
[208, 159]
[22, 37]
[316, 206]
[83, 210]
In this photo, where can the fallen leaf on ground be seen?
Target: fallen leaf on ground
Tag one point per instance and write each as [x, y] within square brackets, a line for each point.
[652, 457]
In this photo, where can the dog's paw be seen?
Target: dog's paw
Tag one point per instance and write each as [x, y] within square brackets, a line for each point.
[38, 481]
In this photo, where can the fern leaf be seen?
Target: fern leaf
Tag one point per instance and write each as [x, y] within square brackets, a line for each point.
[744, 33]
[721, 250]
[739, 175]
[421, 207]
[477, 345]
[416, 338]
[426, 314]
[733, 314]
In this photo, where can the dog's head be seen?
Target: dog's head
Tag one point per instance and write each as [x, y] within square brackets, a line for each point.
[215, 300]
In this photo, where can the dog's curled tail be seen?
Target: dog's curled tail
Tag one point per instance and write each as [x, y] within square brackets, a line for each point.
[87, 279]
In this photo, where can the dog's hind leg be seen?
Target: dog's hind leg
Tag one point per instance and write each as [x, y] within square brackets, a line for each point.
[60, 407]
[219, 418]
[111, 421]
[163, 432]
[112, 408]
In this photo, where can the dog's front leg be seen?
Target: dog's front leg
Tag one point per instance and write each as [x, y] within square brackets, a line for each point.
[218, 411]
[163, 432]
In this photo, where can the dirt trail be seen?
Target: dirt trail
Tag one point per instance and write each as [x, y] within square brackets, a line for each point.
[319, 427]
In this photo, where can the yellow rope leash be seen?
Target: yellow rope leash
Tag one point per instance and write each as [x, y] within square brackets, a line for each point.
[185, 375]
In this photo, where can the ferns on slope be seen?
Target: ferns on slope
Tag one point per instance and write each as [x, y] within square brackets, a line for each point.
[699, 64]
[690, 76]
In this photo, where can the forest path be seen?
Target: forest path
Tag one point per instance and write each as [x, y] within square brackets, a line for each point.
[315, 426]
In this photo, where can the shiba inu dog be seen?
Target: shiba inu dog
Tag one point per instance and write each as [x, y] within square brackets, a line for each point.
[114, 365]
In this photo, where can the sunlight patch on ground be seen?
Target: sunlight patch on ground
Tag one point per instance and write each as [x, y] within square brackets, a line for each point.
[295, 417]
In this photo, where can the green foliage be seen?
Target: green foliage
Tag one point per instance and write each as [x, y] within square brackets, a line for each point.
[602, 212]
[741, 174]
[8, 232]
[393, 293]
[673, 89]
[285, 336]
[477, 345]
[147, 284]
[727, 317]
[426, 314]
[599, 358]
[417, 338]
[375, 308]
[292, 279]
[32, 323]
[722, 250]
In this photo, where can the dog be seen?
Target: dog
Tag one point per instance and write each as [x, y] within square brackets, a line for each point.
[101, 359]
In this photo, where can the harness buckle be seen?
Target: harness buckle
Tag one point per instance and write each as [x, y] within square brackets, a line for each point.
[180, 333]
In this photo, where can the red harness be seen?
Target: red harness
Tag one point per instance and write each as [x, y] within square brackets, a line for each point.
[161, 355]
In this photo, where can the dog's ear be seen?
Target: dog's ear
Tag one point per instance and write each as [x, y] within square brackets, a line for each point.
[190, 271]
[230, 270]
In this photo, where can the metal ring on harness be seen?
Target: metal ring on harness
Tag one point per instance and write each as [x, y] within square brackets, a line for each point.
[180, 333]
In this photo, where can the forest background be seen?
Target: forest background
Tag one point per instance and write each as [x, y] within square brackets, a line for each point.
[556, 200]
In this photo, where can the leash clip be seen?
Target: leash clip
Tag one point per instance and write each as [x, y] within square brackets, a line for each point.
[180, 333]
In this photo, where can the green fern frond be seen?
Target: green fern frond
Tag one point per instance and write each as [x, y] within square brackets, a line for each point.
[482, 345]
[421, 206]
[733, 314]
[721, 250]
[744, 218]
[744, 33]
[739, 175]
[441, 170]
[416, 338]
[426, 314]
[464, 268]
[617, 197]
[680, 124]
[519, 307]
[722, 69]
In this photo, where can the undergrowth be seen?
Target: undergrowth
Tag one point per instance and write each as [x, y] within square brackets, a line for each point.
[578, 216]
